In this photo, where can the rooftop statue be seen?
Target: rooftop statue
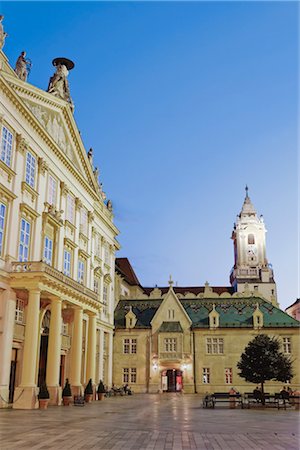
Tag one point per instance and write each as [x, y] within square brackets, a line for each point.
[23, 67]
[90, 156]
[58, 84]
[3, 35]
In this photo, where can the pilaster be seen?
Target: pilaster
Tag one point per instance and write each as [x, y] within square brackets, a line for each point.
[54, 349]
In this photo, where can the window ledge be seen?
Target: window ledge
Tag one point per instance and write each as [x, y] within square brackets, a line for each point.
[25, 187]
[7, 169]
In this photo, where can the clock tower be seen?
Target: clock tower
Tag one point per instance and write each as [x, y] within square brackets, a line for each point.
[251, 270]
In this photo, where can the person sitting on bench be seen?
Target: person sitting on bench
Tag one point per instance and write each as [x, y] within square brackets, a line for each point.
[257, 394]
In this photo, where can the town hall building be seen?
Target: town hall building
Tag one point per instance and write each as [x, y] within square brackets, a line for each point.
[173, 339]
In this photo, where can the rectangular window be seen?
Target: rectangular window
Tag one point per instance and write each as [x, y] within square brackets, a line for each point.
[97, 242]
[133, 375]
[126, 346]
[67, 263]
[70, 208]
[133, 346]
[126, 375]
[80, 272]
[106, 254]
[228, 376]
[24, 240]
[105, 294]
[205, 375]
[48, 250]
[171, 313]
[2, 224]
[20, 307]
[96, 285]
[83, 221]
[129, 346]
[52, 187]
[6, 146]
[215, 345]
[30, 169]
[170, 344]
[286, 345]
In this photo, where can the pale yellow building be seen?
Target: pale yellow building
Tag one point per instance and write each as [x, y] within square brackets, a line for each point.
[57, 245]
[191, 338]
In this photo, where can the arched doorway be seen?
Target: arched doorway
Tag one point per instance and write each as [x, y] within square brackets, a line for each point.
[44, 348]
[171, 380]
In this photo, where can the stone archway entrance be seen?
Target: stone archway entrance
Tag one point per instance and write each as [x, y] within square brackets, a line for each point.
[171, 380]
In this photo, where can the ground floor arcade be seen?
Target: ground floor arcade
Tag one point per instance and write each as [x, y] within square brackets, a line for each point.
[52, 331]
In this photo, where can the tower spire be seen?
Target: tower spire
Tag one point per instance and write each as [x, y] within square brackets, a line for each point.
[247, 189]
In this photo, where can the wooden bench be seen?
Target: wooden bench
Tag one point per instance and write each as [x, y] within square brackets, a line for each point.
[224, 397]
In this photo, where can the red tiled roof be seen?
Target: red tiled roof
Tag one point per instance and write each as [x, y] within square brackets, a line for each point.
[293, 304]
[124, 267]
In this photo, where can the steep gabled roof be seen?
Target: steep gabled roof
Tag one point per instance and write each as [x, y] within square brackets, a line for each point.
[234, 312]
[124, 268]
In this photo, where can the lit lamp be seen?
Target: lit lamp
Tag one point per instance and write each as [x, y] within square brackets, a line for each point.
[184, 366]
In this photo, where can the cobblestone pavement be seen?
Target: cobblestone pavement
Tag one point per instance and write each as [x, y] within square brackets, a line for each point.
[156, 422]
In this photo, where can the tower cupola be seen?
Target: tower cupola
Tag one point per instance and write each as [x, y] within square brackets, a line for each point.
[250, 259]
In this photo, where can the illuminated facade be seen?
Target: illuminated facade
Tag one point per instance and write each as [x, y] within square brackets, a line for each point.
[57, 249]
[191, 338]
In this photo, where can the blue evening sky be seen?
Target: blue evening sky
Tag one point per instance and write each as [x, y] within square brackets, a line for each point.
[183, 103]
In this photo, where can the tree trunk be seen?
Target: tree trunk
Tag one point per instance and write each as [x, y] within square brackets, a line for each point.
[262, 394]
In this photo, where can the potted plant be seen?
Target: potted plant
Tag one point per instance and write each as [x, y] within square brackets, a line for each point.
[88, 392]
[43, 396]
[67, 393]
[100, 390]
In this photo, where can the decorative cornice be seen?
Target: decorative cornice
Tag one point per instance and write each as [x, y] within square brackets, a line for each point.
[70, 244]
[70, 225]
[25, 187]
[83, 254]
[8, 170]
[26, 210]
[6, 194]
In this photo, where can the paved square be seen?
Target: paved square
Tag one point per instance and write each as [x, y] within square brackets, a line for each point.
[156, 422]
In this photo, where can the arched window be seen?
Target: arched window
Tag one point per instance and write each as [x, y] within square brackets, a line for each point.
[251, 239]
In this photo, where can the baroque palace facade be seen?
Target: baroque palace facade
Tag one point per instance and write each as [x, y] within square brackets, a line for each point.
[57, 244]
[170, 339]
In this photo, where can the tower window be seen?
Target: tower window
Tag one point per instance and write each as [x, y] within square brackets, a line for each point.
[251, 239]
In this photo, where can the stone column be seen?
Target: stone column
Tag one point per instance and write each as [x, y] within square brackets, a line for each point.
[110, 359]
[8, 307]
[101, 355]
[54, 350]
[91, 349]
[25, 394]
[76, 352]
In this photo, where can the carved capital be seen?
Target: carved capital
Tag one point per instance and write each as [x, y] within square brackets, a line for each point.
[78, 203]
[91, 216]
[63, 187]
[43, 166]
[103, 240]
[21, 144]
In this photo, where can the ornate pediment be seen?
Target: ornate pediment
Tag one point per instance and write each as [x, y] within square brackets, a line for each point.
[53, 122]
